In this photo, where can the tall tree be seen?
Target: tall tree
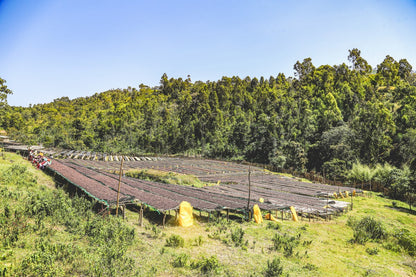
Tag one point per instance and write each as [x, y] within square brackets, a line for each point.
[4, 91]
[358, 63]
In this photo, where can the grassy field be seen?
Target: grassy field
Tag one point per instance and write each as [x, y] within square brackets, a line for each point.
[46, 233]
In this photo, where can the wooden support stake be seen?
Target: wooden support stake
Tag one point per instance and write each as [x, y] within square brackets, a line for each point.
[119, 184]
[164, 219]
[249, 190]
[228, 212]
[141, 216]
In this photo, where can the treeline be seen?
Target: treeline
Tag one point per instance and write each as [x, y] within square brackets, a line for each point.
[324, 120]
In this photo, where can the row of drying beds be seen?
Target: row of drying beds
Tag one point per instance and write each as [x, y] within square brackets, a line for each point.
[86, 155]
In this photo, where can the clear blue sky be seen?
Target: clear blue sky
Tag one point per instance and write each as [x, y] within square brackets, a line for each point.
[55, 48]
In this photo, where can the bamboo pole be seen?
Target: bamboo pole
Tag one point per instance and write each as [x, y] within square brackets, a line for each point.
[119, 184]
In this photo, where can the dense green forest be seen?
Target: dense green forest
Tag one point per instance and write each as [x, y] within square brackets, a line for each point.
[328, 119]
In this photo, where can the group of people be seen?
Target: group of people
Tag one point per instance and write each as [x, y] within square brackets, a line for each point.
[38, 159]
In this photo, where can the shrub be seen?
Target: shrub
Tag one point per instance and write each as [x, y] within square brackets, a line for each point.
[156, 231]
[288, 250]
[175, 241]
[372, 251]
[273, 268]
[407, 240]
[199, 241]
[284, 241]
[366, 229]
[18, 175]
[310, 267]
[237, 236]
[181, 260]
[207, 265]
[273, 225]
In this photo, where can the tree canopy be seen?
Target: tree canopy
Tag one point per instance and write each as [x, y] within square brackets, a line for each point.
[324, 119]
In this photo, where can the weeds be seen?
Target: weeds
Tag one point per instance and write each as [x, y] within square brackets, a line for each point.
[207, 265]
[237, 236]
[367, 229]
[310, 267]
[274, 268]
[175, 241]
[372, 251]
[181, 260]
[31, 210]
[198, 241]
[273, 225]
[284, 241]
[407, 241]
[156, 232]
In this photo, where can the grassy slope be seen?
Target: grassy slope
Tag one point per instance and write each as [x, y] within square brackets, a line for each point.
[329, 254]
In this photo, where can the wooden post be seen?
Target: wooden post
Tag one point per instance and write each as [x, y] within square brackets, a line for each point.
[164, 219]
[141, 216]
[249, 190]
[228, 211]
[282, 215]
[119, 184]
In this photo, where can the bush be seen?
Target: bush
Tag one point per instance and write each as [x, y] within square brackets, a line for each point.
[310, 267]
[372, 251]
[366, 229]
[18, 175]
[207, 265]
[48, 259]
[237, 236]
[288, 251]
[285, 242]
[181, 260]
[198, 241]
[273, 225]
[273, 268]
[407, 240]
[175, 241]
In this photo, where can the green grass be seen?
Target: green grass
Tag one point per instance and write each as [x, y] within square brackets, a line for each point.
[62, 237]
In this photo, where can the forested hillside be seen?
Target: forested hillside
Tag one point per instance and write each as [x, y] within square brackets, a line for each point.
[325, 119]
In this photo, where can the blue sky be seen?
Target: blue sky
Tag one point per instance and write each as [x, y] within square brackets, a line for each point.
[50, 49]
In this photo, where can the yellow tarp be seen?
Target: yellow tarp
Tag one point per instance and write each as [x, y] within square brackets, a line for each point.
[269, 216]
[185, 218]
[294, 214]
[257, 214]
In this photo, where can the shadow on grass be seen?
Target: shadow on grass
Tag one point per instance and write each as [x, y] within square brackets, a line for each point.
[401, 209]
